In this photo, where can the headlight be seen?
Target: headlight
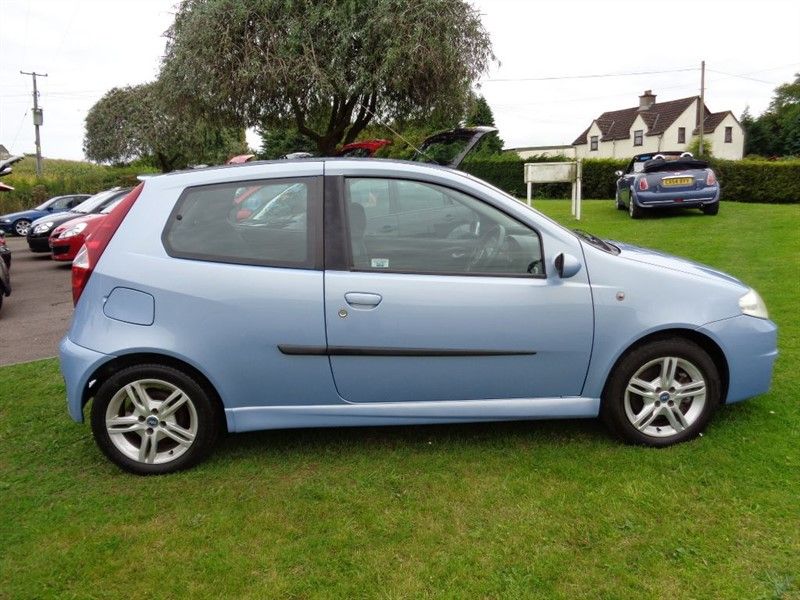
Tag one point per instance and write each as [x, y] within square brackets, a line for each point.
[752, 304]
[72, 231]
[42, 227]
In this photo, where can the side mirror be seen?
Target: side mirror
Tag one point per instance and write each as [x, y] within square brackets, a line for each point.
[567, 265]
[618, 173]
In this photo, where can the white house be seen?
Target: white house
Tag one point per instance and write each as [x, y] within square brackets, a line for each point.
[650, 127]
[654, 126]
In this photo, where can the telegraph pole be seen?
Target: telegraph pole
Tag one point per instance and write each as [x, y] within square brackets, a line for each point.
[702, 105]
[37, 119]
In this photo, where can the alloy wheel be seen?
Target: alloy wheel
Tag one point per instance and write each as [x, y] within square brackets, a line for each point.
[665, 396]
[151, 421]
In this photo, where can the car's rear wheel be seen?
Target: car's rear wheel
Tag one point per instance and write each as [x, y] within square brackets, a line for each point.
[710, 209]
[21, 227]
[152, 419]
[662, 393]
[633, 210]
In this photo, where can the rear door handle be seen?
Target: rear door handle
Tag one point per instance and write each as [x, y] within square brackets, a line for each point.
[362, 299]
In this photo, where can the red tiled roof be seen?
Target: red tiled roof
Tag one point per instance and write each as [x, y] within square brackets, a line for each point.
[616, 124]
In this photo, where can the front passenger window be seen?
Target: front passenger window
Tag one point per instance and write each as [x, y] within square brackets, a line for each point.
[439, 230]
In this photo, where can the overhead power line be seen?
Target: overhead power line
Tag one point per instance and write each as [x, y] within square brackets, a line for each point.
[590, 76]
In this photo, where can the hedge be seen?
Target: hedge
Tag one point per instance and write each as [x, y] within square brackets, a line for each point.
[741, 180]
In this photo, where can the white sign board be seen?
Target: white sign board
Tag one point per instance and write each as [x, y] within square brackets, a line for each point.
[550, 172]
[557, 172]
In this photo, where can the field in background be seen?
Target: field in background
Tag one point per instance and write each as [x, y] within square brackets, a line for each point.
[541, 509]
[62, 177]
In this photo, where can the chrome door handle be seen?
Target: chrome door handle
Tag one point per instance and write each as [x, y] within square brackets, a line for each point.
[362, 299]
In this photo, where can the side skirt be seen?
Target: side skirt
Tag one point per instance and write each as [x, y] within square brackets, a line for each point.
[409, 413]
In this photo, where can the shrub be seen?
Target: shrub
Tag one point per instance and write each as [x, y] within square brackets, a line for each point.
[62, 177]
[741, 181]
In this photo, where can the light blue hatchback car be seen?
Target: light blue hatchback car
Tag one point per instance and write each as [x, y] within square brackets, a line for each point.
[375, 292]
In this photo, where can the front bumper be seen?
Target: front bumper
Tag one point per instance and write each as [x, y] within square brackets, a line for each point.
[7, 227]
[78, 364]
[39, 243]
[66, 249]
[750, 346]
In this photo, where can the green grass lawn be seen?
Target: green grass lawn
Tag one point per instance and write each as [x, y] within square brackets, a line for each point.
[521, 510]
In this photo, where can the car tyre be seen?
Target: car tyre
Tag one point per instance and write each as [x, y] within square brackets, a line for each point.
[633, 210]
[620, 204]
[153, 419]
[21, 227]
[662, 393]
[710, 209]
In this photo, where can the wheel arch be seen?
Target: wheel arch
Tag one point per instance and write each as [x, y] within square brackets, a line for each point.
[702, 340]
[107, 369]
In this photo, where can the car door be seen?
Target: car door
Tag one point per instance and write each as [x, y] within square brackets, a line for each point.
[457, 314]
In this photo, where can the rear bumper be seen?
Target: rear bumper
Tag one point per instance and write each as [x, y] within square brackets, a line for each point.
[701, 197]
[750, 346]
[77, 366]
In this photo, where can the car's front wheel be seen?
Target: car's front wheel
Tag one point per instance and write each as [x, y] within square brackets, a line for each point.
[153, 419]
[21, 227]
[662, 393]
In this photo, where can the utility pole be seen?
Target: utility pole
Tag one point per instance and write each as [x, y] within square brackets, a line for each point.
[701, 126]
[37, 119]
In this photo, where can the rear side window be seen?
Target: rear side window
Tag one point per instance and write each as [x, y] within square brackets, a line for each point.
[266, 222]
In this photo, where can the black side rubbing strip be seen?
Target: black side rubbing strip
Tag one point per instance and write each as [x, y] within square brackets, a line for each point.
[374, 351]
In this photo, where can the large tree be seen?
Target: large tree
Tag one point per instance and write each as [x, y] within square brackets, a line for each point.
[135, 123]
[328, 67]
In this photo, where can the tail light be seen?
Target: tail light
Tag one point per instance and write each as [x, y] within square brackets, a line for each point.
[89, 254]
[711, 179]
[643, 185]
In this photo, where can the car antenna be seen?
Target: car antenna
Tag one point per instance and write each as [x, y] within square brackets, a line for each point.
[380, 122]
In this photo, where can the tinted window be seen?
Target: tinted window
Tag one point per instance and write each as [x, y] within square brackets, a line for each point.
[439, 230]
[65, 202]
[271, 223]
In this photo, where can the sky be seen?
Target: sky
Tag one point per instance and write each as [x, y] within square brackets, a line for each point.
[535, 87]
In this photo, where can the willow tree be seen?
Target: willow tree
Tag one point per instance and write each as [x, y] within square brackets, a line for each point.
[134, 122]
[327, 67]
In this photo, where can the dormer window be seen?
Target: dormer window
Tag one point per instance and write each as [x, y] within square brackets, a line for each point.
[593, 143]
[638, 137]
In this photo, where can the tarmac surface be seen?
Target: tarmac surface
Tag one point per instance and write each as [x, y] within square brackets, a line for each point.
[37, 314]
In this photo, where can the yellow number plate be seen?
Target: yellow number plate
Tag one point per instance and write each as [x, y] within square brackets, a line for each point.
[678, 181]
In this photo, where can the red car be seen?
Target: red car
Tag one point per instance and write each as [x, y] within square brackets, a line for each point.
[67, 239]
[362, 149]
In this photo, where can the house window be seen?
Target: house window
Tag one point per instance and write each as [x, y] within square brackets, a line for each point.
[593, 143]
[681, 135]
[728, 135]
[637, 137]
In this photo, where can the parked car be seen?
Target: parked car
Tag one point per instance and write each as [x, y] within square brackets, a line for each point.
[5, 253]
[362, 149]
[39, 231]
[18, 223]
[5, 269]
[68, 238]
[667, 180]
[188, 322]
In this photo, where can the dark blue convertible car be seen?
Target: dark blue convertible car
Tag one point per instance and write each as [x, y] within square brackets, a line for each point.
[667, 179]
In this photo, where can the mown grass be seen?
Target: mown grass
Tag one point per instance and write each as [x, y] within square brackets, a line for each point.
[521, 510]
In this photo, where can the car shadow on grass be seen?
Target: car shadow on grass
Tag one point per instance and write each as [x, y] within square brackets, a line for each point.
[360, 439]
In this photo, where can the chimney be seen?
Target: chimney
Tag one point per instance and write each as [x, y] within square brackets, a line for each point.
[646, 100]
